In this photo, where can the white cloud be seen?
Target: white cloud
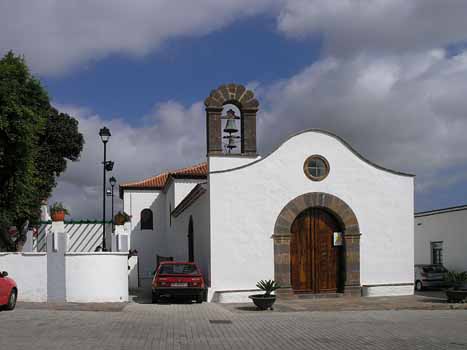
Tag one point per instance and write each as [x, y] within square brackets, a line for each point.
[349, 26]
[406, 112]
[56, 36]
[384, 80]
[173, 136]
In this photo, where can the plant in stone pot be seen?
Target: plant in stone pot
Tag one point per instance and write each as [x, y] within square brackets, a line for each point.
[458, 292]
[58, 211]
[266, 300]
[121, 218]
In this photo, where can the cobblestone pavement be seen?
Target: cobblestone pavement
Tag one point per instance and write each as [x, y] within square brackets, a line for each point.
[212, 326]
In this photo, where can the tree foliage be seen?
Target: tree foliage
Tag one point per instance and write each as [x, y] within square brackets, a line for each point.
[35, 142]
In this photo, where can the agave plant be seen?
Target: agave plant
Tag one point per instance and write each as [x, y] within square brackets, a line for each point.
[268, 286]
[457, 279]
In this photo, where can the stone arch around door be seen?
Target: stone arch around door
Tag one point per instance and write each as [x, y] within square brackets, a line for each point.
[343, 213]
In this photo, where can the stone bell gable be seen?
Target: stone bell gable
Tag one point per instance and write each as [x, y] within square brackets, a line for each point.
[248, 105]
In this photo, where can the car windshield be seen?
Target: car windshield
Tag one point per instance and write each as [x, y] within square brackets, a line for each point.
[434, 269]
[178, 269]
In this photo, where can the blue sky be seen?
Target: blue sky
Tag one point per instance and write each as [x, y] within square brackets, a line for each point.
[390, 78]
[185, 69]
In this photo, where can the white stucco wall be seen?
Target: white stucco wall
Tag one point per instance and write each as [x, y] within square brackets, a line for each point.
[96, 277]
[449, 227]
[149, 243]
[29, 270]
[181, 187]
[246, 202]
[178, 242]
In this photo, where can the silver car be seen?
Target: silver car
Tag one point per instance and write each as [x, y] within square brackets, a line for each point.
[430, 276]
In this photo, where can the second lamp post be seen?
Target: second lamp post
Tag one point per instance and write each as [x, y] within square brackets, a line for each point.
[105, 134]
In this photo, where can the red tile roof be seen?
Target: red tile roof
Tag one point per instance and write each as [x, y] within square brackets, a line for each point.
[198, 171]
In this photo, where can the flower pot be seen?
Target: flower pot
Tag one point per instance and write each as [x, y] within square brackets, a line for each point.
[456, 296]
[262, 301]
[119, 220]
[58, 215]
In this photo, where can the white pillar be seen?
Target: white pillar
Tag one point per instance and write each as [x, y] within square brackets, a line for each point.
[29, 244]
[57, 246]
[133, 278]
[120, 240]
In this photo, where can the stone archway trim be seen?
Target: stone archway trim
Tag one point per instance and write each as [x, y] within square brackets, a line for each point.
[348, 221]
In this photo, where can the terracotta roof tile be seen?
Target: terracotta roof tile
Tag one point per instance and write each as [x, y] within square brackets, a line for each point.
[159, 181]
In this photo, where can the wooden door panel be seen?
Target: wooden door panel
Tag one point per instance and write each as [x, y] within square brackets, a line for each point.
[314, 260]
[300, 257]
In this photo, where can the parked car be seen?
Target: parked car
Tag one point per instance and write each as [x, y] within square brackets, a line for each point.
[178, 279]
[430, 276]
[8, 291]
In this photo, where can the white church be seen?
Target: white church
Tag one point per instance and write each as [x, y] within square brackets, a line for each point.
[314, 215]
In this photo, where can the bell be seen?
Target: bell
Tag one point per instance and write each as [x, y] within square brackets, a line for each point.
[230, 126]
[231, 145]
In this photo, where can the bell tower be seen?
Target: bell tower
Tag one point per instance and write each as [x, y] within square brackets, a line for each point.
[247, 104]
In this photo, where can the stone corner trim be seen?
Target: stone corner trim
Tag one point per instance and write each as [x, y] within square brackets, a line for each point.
[349, 223]
[232, 93]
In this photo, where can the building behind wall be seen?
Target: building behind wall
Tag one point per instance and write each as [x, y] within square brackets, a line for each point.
[441, 237]
[314, 214]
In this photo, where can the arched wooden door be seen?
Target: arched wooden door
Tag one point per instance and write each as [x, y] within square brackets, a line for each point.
[315, 262]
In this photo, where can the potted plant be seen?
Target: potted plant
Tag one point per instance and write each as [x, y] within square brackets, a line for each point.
[58, 211]
[266, 300]
[121, 217]
[458, 292]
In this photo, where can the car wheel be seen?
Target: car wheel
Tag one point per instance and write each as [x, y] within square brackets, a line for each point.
[199, 299]
[418, 286]
[155, 297]
[12, 300]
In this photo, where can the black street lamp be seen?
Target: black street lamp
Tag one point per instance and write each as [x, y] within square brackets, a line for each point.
[113, 182]
[105, 134]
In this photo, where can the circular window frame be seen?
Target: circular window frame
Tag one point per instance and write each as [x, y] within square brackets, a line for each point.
[307, 172]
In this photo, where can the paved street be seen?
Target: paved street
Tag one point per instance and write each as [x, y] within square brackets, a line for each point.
[212, 326]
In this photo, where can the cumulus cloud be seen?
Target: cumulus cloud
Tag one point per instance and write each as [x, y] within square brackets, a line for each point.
[385, 81]
[57, 36]
[349, 26]
[406, 112]
[172, 136]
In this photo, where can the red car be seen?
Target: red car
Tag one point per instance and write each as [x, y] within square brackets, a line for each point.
[175, 279]
[8, 291]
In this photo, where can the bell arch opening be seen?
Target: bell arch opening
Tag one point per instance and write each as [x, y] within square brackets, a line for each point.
[244, 100]
[345, 219]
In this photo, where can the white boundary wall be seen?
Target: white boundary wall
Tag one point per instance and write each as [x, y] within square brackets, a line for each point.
[96, 277]
[29, 270]
[61, 276]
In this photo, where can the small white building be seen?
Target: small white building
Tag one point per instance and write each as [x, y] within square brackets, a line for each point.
[314, 214]
[441, 237]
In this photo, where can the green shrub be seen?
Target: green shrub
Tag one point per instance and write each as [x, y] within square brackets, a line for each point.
[457, 279]
[58, 206]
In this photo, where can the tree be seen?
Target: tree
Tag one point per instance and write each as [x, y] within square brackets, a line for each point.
[35, 142]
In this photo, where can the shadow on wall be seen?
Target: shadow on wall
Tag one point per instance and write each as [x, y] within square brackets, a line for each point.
[148, 242]
[84, 235]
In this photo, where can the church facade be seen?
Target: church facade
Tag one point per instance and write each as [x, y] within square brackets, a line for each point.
[314, 214]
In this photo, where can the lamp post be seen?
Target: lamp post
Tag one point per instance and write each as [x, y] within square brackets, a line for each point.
[105, 134]
[112, 181]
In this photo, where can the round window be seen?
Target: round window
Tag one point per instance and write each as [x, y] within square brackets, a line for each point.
[316, 167]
